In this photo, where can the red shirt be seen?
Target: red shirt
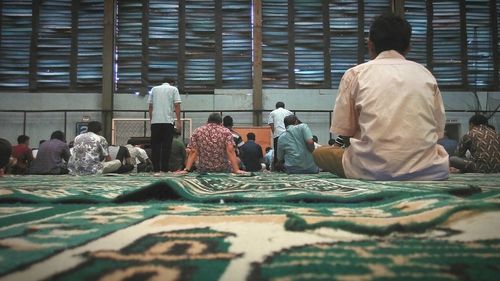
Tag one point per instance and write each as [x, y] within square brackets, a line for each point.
[210, 141]
[23, 154]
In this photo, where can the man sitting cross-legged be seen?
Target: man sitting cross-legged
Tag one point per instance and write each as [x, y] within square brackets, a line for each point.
[90, 154]
[213, 145]
[295, 147]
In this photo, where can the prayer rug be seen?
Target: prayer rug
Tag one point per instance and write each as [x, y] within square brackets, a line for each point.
[263, 227]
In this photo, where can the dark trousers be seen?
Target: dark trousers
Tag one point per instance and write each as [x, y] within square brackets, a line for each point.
[161, 144]
[274, 166]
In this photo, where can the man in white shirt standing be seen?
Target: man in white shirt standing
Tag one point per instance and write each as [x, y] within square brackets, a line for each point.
[393, 112]
[164, 101]
[277, 125]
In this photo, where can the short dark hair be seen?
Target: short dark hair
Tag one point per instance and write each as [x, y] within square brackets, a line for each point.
[170, 80]
[478, 119]
[214, 118]
[280, 104]
[22, 139]
[227, 121]
[59, 135]
[290, 120]
[251, 136]
[94, 127]
[315, 138]
[390, 32]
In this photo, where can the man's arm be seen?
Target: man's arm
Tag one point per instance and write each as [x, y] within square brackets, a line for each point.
[310, 145]
[231, 155]
[150, 109]
[193, 153]
[177, 107]
[272, 127]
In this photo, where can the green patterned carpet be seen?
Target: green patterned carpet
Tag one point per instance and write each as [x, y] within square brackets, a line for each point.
[262, 227]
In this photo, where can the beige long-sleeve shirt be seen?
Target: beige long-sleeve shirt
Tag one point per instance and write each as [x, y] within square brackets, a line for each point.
[393, 110]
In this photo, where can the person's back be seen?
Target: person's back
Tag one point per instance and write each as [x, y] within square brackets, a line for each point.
[23, 154]
[52, 156]
[398, 122]
[210, 141]
[251, 154]
[89, 152]
[483, 143]
[392, 110]
[484, 146]
[293, 148]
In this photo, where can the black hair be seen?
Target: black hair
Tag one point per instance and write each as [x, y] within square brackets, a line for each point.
[227, 121]
[315, 138]
[214, 118]
[22, 139]
[478, 119]
[94, 127]
[290, 120]
[280, 104]
[251, 136]
[170, 80]
[390, 32]
[58, 135]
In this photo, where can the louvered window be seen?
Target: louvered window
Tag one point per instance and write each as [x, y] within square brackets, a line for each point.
[90, 44]
[129, 42]
[344, 38]
[54, 45]
[200, 45]
[15, 41]
[163, 49]
[51, 45]
[479, 44]
[294, 36]
[275, 42]
[236, 44]
[57, 45]
[204, 44]
[309, 65]
[455, 40]
[416, 14]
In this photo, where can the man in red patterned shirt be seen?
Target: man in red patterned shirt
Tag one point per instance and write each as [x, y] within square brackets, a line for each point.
[213, 145]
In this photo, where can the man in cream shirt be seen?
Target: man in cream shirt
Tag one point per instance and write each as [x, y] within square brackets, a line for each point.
[392, 111]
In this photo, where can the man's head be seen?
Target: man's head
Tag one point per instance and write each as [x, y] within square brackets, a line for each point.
[251, 136]
[290, 120]
[23, 139]
[215, 118]
[94, 127]
[280, 104]
[58, 135]
[170, 80]
[478, 119]
[227, 121]
[389, 32]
